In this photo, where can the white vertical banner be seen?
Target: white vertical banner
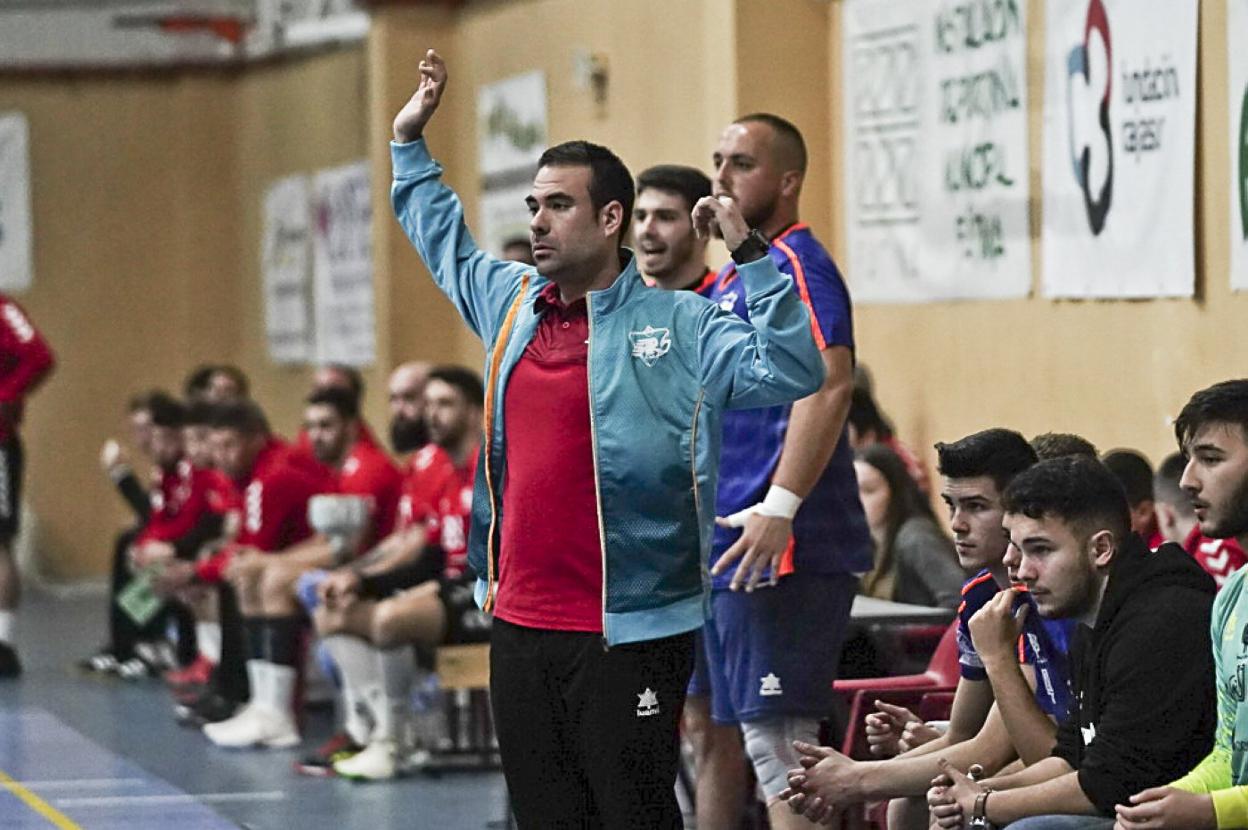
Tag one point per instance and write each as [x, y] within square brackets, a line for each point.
[342, 266]
[1237, 91]
[936, 166]
[882, 51]
[511, 136]
[975, 234]
[1119, 148]
[286, 268]
[16, 241]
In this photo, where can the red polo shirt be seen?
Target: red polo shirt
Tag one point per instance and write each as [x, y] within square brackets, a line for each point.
[550, 559]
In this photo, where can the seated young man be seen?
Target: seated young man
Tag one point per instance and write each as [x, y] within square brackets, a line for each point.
[1212, 431]
[1003, 708]
[1136, 476]
[380, 605]
[1177, 522]
[180, 513]
[1142, 681]
[265, 581]
[275, 485]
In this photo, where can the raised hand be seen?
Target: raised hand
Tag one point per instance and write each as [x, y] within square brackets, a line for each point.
[410, 123]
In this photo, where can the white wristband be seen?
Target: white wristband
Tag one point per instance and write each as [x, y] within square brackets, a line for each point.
[780, 502]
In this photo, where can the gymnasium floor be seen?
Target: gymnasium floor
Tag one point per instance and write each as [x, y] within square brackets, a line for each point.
[106, 755]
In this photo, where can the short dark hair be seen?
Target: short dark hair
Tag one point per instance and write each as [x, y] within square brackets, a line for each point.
[166, 410]
[197, 382]
[199, 413]
[343, 401]
[1166, 487]
[235, 374]
[609, 179]
[1222, 403]
[1058, 444]
[785, 130]
[1133, 472]
[465, 381]
[1078, 490]
[1000, 454]
[690, 183]
[865, 415]
[355, 380]
[244, 416]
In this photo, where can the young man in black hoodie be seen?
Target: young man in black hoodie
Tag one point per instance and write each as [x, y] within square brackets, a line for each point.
[1142, 712]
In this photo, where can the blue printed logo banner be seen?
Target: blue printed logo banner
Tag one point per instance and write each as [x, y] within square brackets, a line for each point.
[936, 149]
[1119, 148]
[1237, 87]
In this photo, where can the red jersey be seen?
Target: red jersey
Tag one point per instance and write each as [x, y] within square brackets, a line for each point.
[369, 472]
[428, 474]
[25, 361]
[273, 504]
[180, 497]
[448, 526]
[1219, 557]
[550, 556]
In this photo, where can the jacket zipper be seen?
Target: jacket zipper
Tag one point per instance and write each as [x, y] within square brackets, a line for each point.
[593, 441]
[496, 360]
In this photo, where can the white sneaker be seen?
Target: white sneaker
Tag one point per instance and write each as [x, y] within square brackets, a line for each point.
[379, 761]
[255, 725]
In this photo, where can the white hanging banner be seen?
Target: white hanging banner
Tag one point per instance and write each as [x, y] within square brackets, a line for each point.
[1119, 148]
[936, 149]
[342, 266]
[16, 241]
[1237, 90]
[286, 266]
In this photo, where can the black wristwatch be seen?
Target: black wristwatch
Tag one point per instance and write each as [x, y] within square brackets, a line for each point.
[754, 246]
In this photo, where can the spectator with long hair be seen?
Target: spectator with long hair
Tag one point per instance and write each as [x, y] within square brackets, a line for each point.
[914, 559]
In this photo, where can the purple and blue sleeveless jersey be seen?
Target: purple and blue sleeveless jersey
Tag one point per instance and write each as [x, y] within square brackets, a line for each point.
[830, 531]
[1044, 644]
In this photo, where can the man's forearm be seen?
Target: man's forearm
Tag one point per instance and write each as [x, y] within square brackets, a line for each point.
[1030, 730]
[912, 775]
[1061, 795]
[815, 426]
[1046, 770]
[317, 552]
[396, 550]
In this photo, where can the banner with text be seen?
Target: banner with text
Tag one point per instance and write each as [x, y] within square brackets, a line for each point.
[1119, 148]
[286, 266]
[1237, 88]
[342, 266]
[16, 240]
[936, 183]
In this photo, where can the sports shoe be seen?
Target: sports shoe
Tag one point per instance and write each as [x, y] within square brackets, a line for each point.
[195, 674]
[158, 654]
[379, 761]
[254, 725]
[136, 668]
[209, 707]
[10, 666]
[102, 662]
[320, 763]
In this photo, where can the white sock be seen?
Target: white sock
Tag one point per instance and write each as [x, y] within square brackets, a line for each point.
[208, 635]
[358, 668]
[281, 689]
[258, 679]
[8, 620]
[394, 703]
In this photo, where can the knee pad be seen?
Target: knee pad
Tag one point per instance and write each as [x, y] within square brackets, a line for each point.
[769, 744]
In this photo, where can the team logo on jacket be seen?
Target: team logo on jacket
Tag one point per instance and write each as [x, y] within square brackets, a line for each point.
[650, 344]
